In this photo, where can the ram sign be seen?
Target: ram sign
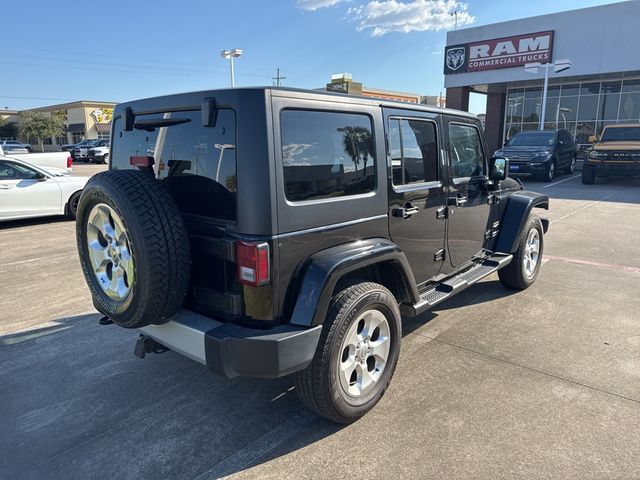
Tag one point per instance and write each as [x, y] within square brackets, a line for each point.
[504, 52]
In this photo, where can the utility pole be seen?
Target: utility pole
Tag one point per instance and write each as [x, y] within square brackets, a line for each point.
[277, 78]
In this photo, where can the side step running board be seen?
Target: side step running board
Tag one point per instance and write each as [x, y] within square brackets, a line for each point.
[453, 285]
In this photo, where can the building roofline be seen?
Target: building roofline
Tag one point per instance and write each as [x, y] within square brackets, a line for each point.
[77, 103]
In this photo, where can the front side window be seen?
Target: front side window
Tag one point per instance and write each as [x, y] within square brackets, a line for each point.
[326, 154]
[465, 151]
[197, 163]
[413, 151]
[15, 171]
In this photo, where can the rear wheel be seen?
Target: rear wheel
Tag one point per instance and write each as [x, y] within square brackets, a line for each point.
[525, 266]
[588, 175]
[356, 355]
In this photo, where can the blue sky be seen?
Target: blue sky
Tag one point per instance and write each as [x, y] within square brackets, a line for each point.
[55, 52]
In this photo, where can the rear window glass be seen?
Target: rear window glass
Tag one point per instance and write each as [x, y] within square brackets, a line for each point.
[326, 154]
[197, 163]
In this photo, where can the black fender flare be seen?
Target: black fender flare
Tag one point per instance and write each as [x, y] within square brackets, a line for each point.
[515, 215]
[325, 268]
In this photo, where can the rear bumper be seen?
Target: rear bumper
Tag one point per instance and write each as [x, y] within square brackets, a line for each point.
[231, 350]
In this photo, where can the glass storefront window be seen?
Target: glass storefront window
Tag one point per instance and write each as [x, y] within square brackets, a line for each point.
[630, 107]
[609, 106]
[590, 89]
[570, 90]
[589, 107]
[568, 108]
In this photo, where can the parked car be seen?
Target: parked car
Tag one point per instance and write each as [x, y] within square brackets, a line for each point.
[286, 243]
[28, 191]
[617, 152]
[540, 153]
[80, 151]
[10, 145]
[98, 154]
[57, 160]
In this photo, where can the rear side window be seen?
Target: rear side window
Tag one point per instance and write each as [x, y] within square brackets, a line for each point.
[326, 154]
[413, 150]
[465, 151]
[197, 163]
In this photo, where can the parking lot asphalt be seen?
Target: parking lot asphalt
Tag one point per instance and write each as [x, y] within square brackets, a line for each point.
[543, 383]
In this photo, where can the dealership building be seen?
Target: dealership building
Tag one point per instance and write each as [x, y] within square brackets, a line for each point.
[601, 87]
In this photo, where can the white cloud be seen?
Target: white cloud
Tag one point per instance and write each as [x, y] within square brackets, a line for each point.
[313, 5]
[381, 17]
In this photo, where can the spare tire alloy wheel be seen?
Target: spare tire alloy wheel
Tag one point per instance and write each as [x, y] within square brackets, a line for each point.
[134, 248]
[110, 251]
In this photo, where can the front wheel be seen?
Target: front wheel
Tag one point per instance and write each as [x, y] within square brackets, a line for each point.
[525, 265]
[588, 175]
[356, 355]
[551, 172]
[105, 158]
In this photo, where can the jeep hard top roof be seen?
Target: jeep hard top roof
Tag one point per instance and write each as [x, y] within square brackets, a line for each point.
[191, 100]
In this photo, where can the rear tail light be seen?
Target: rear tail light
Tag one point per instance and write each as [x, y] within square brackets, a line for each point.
[69, 161]
[253, 263]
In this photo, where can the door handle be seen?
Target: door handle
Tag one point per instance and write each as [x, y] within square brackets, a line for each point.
[4, 187]
[406, 211]
[457, 201]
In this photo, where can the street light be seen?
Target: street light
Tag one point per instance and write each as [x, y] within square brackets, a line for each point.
[558, 66]
[231, 54]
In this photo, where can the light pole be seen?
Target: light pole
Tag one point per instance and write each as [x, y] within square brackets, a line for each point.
[231, 54]
[558, 66]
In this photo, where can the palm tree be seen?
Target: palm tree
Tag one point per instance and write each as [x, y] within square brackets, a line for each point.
[357, 143]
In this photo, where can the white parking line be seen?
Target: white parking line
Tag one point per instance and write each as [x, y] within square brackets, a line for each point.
[565, 180]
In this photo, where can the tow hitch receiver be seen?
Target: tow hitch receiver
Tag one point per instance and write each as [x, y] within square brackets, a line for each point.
[146, 345]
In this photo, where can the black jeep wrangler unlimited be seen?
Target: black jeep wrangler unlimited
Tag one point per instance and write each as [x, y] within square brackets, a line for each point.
[271, 231]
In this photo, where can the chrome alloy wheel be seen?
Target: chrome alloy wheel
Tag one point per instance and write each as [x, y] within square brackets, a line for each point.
[531, 253]
[364, 353]
[110, 252]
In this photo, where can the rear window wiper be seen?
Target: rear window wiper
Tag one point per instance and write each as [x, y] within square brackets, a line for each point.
[151, 124]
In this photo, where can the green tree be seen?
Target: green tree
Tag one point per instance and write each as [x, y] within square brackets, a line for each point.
[40, 126]
[8, 129]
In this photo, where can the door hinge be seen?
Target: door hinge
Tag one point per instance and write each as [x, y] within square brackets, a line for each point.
[440, 255]
[442, 213]
[493, 199]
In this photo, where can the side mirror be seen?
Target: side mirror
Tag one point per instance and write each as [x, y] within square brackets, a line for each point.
[41, 177]
[498, 168]
[593, 139]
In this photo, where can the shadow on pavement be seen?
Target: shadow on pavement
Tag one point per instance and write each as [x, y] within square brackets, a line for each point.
[76, 403]
[10, 224]
[606, 189]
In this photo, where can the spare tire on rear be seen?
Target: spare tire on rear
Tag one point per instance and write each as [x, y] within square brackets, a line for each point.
[134, 248]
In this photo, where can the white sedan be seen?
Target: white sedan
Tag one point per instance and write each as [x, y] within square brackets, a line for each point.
[27, 191]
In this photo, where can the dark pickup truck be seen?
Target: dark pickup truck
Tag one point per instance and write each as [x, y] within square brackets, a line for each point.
[269, 231]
